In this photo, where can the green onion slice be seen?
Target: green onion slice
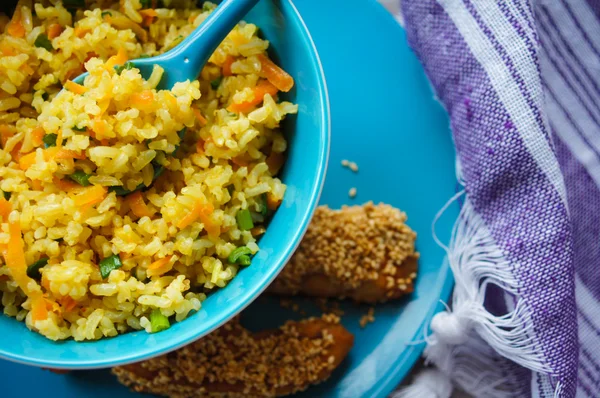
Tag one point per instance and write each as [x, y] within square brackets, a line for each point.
[81, 178]
[237, 253]
[49, 140]
[43, 42]
[158, 322]
[109, 264]
[126, 66]
[244, 260]
[33, 271]
[244, 219]
[262, 204]
[216, 83]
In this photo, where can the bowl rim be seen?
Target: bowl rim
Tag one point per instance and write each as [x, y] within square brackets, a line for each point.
[217, 320]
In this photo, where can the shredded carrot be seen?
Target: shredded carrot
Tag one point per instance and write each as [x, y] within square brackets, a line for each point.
[15, 261]
[90, 196]
[65, 185]
[272, 202]
[191, 216]
[16, 152]
[100, 128]
[209, 225]
[15, 27]
[81, 32]
[263, 88]
[200, 146]
[118, 59]
[59, 153]
[275, 161]
[277, 76]
[137, 205]
[125, 256]
[159, 263]
[148, 12]
[6, 132]
[39, 309]
[144, 99]
[227, 65]
[160, 267]
[75, 88]
[148, 16]
[36, 185]
[68, 304]
[37, 134]
[199, 116]
[27, 161]
[7, 49]
[212, 229]
[5, 209]
[54, 30]
[52, 153]
[199, 210]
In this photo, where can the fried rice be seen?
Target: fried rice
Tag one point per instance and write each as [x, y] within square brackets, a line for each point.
[111, 221]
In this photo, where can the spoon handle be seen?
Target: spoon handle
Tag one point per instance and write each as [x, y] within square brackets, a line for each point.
[187, 59]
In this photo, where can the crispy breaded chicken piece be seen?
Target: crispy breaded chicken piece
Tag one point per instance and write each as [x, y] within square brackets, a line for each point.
[233, 362]
[366, 253]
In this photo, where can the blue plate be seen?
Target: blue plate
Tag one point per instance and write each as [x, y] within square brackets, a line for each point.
[385, 119]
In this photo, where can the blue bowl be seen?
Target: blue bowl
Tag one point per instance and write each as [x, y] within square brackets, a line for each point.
[304, 173]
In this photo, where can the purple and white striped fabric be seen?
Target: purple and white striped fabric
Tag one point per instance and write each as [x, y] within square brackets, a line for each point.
[520, 80]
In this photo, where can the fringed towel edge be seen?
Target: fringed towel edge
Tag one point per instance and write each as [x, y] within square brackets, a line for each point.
[465, 341]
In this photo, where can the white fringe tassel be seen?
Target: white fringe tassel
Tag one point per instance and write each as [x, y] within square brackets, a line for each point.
[430, 383]
[465, 340]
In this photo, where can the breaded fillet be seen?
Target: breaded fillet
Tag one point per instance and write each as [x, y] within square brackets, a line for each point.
[233, 362]
[366, 253]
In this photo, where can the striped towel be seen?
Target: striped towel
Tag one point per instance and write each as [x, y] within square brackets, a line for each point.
[520, 80]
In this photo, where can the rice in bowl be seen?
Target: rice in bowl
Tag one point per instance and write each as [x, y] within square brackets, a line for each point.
[111, 221]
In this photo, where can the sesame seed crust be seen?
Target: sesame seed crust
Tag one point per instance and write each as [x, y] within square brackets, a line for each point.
[366, 253]
[232, 362]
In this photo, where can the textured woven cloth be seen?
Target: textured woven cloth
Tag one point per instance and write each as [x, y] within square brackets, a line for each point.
[520, 80]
